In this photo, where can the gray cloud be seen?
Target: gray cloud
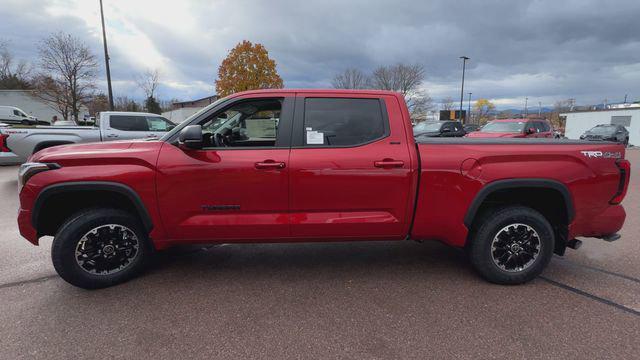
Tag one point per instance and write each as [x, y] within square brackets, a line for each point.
[544, 49]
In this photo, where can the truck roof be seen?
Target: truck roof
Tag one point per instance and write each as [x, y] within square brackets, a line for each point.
[322, 91]
[128, 113]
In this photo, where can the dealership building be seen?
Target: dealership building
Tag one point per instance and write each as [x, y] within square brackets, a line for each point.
[577, 122]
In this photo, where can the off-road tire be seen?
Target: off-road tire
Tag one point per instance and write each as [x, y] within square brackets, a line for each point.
[66, 240]
[490, 225]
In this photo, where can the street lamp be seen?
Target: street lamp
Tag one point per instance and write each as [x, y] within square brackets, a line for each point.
[464, 63]
[106, 59]
[469, 109]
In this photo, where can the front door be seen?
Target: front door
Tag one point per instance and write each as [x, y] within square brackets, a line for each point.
[237, 187]
[350, 168]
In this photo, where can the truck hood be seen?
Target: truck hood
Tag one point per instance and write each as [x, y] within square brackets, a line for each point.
[112, 149]
[480, 134]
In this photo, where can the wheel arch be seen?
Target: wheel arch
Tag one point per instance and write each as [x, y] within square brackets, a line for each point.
[47, 144]
[112, 193]
[550, 197]
[512, 184]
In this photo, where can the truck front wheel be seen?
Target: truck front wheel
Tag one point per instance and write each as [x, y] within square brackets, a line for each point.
[511, 245]
[98, 248]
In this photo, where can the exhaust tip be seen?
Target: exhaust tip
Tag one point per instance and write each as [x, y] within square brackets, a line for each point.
[574, 244]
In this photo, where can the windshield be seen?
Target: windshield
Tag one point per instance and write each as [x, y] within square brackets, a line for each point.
[186, 122]
[504, 127]
[601, 130]
[426, 127]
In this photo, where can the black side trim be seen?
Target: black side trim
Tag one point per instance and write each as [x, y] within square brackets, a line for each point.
[55, 189]
[48, 144]
[518, 183]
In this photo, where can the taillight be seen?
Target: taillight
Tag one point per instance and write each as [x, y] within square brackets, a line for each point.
[623, 185]
[3, 143]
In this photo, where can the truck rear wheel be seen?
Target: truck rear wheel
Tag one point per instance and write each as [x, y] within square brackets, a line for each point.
[98, 248]
[511, 245]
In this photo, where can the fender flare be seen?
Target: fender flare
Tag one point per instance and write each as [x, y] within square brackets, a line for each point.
[46, 144]
[494, 186]
[88, 186]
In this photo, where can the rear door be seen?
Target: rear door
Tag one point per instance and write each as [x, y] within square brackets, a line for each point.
[350, 168]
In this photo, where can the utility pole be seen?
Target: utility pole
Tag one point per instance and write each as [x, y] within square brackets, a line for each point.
[106, 59]
[464, 63]
[469, 108]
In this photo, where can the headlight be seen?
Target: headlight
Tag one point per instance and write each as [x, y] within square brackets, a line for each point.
[27, 170]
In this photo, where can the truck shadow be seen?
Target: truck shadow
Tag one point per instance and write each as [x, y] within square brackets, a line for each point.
[312, 260]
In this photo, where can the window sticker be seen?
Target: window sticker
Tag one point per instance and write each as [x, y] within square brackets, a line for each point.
[315, 138]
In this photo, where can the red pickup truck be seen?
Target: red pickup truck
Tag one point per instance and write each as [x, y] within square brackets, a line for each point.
[318, 165]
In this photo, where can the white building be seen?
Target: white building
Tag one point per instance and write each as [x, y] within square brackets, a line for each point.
[183, 109]
[25, 101]
[580, 121]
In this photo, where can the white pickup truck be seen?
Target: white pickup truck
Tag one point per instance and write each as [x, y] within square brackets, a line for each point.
[17, 143]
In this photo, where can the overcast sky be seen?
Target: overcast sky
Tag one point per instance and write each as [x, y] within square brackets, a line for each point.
[547, 49]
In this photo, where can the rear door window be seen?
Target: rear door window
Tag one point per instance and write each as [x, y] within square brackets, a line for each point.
[342, 122]
[129, 123]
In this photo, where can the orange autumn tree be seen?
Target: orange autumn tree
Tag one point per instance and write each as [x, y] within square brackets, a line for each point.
[247, 67]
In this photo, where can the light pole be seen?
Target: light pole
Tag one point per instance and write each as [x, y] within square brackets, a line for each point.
[469, 108]
[464, 64]
[106, 59]
[539, 108]
[526, 110]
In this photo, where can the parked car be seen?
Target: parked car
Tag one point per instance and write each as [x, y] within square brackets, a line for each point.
[515, 128]
[471, 127]
[14, 115]
[439, 129]
[312, 165]
[607, 132]
[22, 142]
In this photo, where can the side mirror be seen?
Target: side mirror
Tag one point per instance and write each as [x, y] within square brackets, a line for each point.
[191, 137]
[530, 131]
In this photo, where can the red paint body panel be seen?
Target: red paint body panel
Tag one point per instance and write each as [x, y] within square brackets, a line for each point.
[329, 194]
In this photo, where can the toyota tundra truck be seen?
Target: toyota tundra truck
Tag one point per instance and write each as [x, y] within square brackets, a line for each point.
[318, 165]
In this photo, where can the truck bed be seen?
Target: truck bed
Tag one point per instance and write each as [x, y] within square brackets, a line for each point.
[454, 170]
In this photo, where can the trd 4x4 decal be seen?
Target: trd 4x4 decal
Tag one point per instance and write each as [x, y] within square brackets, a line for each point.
[600, 154]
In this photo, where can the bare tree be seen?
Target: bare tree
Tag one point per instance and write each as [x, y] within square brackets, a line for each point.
[148, 82]
[71, 66]
[448, 103]
[13, 75]
[124, 103]
[407, 80]
[53, 94]
[351, 78]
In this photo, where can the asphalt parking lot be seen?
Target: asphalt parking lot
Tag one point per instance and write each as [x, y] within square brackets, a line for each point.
[353, 300]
